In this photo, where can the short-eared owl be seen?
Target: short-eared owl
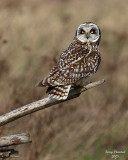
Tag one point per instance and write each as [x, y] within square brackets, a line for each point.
[78, 61]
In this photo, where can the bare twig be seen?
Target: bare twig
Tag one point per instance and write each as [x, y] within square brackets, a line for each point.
[12, 140]
[15, 139]
[8, 153]
[44, 103]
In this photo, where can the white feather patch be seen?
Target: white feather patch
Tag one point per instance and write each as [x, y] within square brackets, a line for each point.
[57, 95]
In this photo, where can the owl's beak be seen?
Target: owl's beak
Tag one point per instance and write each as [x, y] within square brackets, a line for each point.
[87, 35]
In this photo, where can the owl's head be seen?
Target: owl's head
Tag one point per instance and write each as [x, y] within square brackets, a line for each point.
[88, 32]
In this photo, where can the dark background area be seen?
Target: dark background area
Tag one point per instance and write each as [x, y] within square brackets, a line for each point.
[32, 36]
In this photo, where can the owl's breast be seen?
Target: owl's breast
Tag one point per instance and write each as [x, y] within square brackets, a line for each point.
[92, 61]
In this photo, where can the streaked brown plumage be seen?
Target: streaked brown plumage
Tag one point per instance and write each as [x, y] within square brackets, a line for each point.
[79, 60]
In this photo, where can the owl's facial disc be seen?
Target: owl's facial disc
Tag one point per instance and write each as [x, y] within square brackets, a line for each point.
[88, 32]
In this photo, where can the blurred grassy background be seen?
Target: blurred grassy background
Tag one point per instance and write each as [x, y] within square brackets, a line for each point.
[32, 36]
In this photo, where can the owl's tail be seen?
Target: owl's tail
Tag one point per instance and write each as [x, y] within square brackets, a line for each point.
[59, 92]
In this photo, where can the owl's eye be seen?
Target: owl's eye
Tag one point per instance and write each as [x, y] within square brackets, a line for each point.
[82, 31]
[92, 31]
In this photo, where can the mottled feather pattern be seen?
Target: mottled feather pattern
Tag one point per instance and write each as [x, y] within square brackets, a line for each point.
[72, 67]
[78, 61]
[59, 92]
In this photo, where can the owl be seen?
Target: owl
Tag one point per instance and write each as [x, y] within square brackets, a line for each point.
[79, 61]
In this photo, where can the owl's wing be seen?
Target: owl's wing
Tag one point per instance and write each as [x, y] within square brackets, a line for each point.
[51, 79]
[72, 66]
[81, 63]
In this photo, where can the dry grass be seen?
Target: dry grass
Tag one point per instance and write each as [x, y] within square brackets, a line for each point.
[32, 35]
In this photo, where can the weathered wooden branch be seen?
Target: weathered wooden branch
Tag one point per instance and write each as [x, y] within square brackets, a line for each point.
[28, 109]
[8, 153]
[12, 140]
[44, 103]
[15, 139]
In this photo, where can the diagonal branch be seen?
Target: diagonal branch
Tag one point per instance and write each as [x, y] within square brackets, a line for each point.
[44, 103]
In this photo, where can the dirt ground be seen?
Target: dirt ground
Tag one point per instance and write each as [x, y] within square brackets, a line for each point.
[32, 36]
